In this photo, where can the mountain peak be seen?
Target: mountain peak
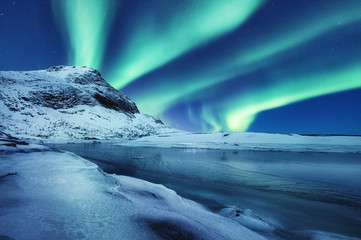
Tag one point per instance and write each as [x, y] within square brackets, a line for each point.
[69, 102]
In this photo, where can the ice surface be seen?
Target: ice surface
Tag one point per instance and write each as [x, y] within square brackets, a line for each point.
[265, 194]
[317, 235]
[58, 195]
[163, 205]
[286, 191]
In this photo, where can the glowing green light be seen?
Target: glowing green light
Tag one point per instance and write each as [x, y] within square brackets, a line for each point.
[153, 46]
[286, 92]
[87, 24]
[246, 60]
[210, 120]
[297, 34]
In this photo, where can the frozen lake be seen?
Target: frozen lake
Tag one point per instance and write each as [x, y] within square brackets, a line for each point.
[292, 191]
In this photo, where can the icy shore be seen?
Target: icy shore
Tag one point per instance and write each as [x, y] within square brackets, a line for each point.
[46, 194]
[252, 141]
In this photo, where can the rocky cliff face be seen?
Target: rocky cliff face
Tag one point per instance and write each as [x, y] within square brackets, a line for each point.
[69, 102]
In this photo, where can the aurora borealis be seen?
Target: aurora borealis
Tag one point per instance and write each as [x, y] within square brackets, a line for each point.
[205, 65]
[87, 25]
[165, 36]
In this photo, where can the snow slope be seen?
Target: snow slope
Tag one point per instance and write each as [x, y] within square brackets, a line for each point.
[253, 142]
[69, 103]
[58, 195]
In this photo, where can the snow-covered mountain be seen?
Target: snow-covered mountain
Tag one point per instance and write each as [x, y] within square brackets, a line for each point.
[65, 102]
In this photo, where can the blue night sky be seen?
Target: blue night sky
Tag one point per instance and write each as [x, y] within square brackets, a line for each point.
[205, 65]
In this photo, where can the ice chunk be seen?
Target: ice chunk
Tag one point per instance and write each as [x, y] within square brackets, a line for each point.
[179, 217]
[247, 218]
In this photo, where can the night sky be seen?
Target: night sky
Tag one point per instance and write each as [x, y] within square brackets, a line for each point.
[205, 65]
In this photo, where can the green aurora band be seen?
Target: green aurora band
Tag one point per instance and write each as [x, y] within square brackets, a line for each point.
[252, 58]
[291, 89]
[199, 22]
[152, 46]
[87, 24]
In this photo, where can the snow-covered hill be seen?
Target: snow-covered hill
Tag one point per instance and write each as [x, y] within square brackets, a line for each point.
[66, 102]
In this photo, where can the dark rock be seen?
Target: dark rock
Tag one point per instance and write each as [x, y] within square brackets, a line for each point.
[8, 174]
[14, 141]
[5, 238]
[169, 230]
[55, 68]
[114, 103]
[90, 138]
[10, 144]
[7, 136]
[158, 121]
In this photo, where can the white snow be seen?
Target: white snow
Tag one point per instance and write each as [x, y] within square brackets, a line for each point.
[58, 195]
[165, 206]
[22, 118]
[79, 122]
[247, 218]
[252, 141]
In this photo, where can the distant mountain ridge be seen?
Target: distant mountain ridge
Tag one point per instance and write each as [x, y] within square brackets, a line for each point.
[69, 102]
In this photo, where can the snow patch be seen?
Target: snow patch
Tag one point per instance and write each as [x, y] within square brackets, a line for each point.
[252, 142]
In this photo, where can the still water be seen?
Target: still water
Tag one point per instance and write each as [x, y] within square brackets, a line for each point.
[293, 191]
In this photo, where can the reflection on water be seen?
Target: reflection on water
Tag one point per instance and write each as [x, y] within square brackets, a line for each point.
[298, 191]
